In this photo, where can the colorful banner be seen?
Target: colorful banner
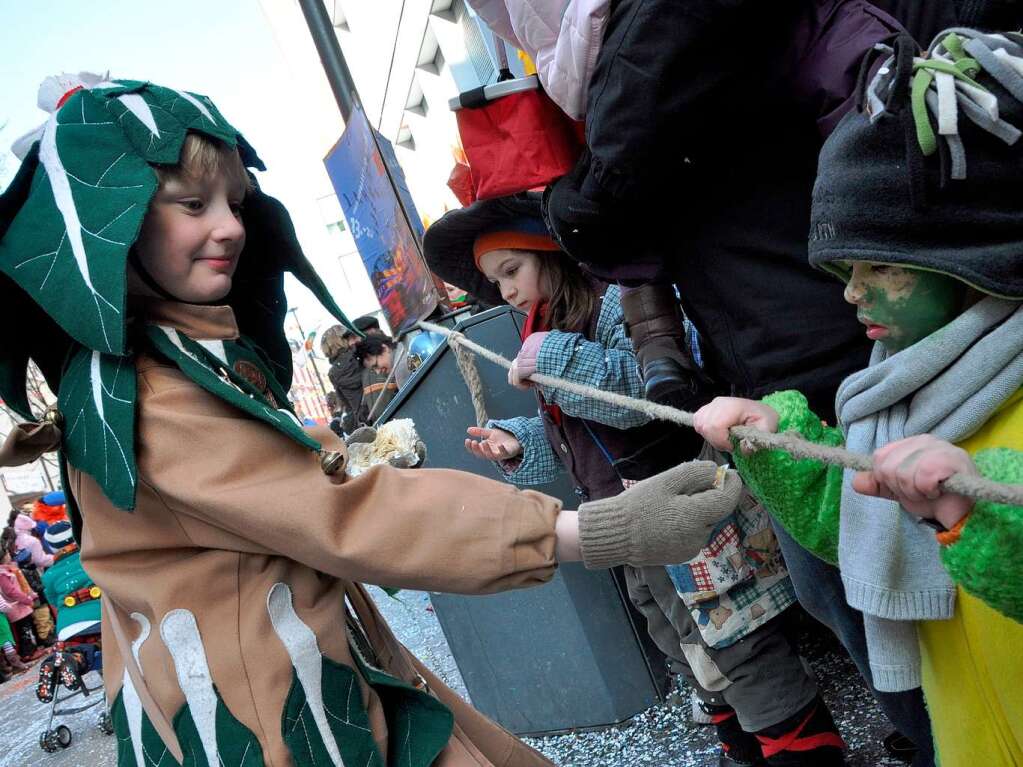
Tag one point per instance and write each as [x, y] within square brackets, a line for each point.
[371, 187]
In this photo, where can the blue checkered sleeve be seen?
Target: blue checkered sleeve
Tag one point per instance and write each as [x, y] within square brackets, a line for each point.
[608, 363]
[539, 464]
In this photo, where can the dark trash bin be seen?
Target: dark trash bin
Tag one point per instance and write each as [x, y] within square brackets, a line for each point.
[570, 654]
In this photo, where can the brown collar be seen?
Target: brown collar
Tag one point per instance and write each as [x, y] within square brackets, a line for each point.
[213, 323]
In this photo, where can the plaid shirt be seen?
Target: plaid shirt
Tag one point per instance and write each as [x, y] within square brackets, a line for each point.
[608, 363]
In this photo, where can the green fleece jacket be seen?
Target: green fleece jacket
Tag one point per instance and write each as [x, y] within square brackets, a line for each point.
[804, 497]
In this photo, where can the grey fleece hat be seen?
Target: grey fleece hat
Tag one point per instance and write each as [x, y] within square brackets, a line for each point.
[927, 172]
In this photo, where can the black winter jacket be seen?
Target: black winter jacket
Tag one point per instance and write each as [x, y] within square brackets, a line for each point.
[705, 118]
[346, 378]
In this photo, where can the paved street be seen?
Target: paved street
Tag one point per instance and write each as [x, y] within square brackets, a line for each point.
[663, 736]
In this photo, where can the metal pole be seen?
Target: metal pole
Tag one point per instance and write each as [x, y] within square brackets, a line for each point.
[334, 65]
[347, 95]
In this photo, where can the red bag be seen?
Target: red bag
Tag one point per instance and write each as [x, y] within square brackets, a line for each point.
[515, 138]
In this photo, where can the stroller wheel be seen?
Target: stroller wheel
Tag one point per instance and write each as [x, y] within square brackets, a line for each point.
[106, 724]
[63, 736]
[48, 741]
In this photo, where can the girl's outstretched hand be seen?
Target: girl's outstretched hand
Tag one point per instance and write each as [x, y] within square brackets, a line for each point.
[714, 419]
[492, 444]
[911, 471]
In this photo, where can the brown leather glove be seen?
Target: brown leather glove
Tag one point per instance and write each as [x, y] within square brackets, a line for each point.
[663, 520]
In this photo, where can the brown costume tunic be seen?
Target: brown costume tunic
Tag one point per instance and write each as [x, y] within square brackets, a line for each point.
[227, 507]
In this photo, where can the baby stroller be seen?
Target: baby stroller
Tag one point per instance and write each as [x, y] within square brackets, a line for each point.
[62, 677]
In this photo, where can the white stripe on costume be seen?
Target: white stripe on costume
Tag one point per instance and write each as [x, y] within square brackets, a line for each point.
[181, 635]
[130, 696]
[137, 105]
[300, 642]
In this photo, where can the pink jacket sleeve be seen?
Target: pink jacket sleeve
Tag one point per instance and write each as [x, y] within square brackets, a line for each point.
[11, 591]
[40, 558]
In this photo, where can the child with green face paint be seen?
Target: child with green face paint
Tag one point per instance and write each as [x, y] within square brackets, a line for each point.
[901, 306]
[932, 256]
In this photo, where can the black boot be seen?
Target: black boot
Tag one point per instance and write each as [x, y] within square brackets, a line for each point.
[738, 747]
[654, 323]
[900, 747]
[809, 738]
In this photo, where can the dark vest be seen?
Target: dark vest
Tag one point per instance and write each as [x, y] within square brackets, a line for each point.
[599, 457]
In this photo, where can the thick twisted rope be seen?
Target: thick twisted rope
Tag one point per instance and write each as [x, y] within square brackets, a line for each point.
[467, 364]
[978, 488]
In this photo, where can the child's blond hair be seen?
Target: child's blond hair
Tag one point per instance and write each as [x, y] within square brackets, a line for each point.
[204, 157]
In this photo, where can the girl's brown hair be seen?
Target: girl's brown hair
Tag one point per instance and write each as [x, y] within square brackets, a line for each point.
[573, 296]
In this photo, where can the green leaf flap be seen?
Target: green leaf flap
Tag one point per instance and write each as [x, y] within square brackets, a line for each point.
[236, 745]
[419, 726]
[156, 119]
[97, 399]
[68, 245]
[198, 364]
[154, 751]
[244, 349]
[347, 717]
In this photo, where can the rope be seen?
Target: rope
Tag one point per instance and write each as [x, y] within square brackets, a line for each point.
[978, 488]
[471, 374]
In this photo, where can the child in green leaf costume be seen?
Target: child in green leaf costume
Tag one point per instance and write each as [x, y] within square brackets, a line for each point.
[932, 256]
[141, 269]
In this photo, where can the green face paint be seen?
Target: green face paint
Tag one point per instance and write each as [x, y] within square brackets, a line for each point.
[901, 306]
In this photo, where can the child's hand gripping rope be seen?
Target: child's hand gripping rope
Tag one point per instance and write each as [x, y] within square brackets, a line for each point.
[962, 483]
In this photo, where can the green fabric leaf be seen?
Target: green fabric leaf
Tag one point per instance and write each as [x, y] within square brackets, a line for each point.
[199, 365]
[155, 119]
[236, 745]
[68, 245]
[245, 350]
[349, 723]
[419, 726]
[97, 399]
[154, 751]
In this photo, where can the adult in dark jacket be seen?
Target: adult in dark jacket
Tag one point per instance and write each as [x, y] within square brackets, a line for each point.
[338, 346]
[708, 115]
[924, 20]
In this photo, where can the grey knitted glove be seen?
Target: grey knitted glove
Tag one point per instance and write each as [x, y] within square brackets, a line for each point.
[663, 520]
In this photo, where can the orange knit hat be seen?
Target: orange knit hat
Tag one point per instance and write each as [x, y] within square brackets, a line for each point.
[511, 239]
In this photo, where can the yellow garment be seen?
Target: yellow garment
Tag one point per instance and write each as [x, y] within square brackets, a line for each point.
[973, 664]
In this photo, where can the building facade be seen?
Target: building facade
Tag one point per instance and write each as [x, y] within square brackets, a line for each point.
[408, 59]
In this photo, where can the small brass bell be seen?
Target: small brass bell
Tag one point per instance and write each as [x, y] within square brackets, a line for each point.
[332, 462]
[54, 417]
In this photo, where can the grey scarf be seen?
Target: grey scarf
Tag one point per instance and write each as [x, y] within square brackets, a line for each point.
[948, 385]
